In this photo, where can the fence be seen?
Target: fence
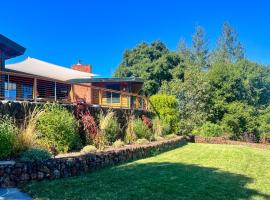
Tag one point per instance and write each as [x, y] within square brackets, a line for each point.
[25, 87]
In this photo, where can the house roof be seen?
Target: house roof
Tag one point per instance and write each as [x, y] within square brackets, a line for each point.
[107, 80]
[44, 69]
[10, 48]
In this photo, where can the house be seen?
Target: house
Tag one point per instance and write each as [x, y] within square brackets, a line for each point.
[39, 81]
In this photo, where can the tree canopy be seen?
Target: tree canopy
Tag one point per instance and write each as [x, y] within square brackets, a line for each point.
[219, 85]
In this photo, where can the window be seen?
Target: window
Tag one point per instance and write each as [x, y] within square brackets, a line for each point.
[10, 91]
[27, 91]
[113, 97]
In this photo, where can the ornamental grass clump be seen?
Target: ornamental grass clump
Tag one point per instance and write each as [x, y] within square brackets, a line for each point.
[8, 132]
[58, 129]
[160, 128]
[27, 135]
[130, 135]
[109, 126]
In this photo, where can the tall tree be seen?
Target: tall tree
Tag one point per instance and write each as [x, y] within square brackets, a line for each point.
[200, 48]
[229, 49]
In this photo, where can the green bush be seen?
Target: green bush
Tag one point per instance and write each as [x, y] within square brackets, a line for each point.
[264, 127]
[109, 126]
[118, 144]
[7, 136]
[166, 106]
[89, 149]
[34, 154]
[58, 129]
[160, 128]
[209, 130]
[238, 119]
[141, 130]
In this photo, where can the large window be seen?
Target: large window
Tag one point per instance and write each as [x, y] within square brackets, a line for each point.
[10, 91]
[113, 97]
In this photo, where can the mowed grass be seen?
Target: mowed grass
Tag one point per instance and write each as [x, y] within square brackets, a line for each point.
[194, 171]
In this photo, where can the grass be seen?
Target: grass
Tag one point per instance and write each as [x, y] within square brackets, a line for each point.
[194, 171]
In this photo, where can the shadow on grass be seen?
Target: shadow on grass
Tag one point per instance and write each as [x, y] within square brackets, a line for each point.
[149, 181]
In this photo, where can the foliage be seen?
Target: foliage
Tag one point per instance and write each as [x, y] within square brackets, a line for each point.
[141, 130]
[151, 62]
[118, 144]
[34, 154]
[100, 141]
[209, 129]
[147, 121]
[166, 107]
[58, 129]
[109, 126]
[170, 136]
[142, 141]
[240, 119]
[86, 121]
[8, 132]
[27, 135]
[160, 128]
[130, 135]
[88, 149]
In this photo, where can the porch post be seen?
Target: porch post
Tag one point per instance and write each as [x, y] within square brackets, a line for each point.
[55, 94]
[100, 97]
[2, 77]
[137, 103]
[35, 90]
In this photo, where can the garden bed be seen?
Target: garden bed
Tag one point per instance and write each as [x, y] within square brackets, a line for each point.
[225, 140]
[13, 173]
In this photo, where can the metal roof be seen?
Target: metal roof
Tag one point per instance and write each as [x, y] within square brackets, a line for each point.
[10, 48]
[44, 69]
[107, 80]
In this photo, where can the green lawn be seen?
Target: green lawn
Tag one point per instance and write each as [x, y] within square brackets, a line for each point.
[194, 171]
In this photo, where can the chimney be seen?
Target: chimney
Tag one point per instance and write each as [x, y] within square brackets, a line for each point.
[82, 67]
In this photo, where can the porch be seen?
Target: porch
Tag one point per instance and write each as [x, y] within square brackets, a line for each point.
[95, 92]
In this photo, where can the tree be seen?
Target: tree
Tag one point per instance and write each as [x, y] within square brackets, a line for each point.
[199, 48]
[229, 49]
[151, 62]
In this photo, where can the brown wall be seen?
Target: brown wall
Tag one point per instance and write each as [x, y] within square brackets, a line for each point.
[82, 92]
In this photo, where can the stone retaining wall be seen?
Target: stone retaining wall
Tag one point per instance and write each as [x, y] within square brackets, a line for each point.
[18, 110]
[13, 173]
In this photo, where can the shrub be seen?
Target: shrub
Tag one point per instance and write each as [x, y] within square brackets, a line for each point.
[166, 106]
[170, 136]
[147, 121]
[142, 141]
[118, 144]
[100, 141]
[88, 126]
[239, 118]
[160, 127]
[7, 136]
[141, 130]
[130, 135]
[109, 126]
[34, 154]
[89, 149]
[27, 136]
[58, 129]
[209, 130]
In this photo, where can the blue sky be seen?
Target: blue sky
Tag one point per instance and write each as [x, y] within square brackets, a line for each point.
[98, 31]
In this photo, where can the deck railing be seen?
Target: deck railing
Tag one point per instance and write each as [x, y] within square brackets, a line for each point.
[25, 87]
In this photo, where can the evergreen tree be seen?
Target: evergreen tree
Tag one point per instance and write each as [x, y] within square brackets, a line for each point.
[199, 48]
